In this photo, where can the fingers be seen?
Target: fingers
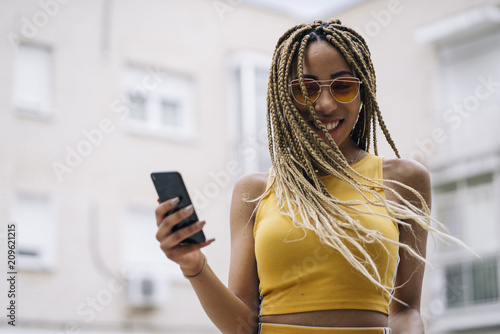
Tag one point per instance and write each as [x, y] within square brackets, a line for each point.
[169, 239]
[171, 242]
[165, 207]
[165, 226]
[177, 252]
[165, 236]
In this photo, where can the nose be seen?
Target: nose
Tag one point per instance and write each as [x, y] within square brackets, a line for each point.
[325, 104]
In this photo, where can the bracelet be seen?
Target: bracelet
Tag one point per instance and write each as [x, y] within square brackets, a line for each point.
[201, 271]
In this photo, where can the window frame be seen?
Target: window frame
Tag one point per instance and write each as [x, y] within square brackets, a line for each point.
[454, 117]
[458, 256]
[47, 260]
[165, 87]
[242, 92]
[42, 110]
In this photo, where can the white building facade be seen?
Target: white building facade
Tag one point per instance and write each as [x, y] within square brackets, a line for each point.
[96, 95]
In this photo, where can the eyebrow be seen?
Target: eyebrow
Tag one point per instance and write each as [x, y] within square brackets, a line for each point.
[334, 75]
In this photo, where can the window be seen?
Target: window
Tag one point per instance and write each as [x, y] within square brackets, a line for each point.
[250, 74]
[33, 81]
[162, 105]
[461, 206]
[137, 103]
[472, 283]
[170, 114]
[470, 96]
[468, 45]
[36, 237]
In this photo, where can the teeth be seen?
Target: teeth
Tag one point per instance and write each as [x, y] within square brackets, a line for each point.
[331, 126]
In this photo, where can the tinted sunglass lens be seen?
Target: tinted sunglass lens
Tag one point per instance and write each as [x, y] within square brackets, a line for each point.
[312, 88]
[296, 93]
[345, 90]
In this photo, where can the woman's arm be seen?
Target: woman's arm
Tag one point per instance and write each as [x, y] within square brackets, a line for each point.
[406, 319]
[235, 310]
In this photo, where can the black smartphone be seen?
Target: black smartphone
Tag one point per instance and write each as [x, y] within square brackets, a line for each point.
[169, 185]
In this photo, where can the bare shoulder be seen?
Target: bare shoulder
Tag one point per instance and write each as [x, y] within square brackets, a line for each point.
[253, 184]
[410, 173]
[246, 190]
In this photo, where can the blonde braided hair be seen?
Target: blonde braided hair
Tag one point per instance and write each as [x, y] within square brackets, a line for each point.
[297, 152]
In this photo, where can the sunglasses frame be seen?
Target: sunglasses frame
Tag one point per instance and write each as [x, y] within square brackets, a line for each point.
[331, 81]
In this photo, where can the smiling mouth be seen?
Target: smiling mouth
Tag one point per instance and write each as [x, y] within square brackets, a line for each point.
[330, 126]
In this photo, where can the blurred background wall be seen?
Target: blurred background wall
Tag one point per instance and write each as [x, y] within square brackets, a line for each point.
[97, 94]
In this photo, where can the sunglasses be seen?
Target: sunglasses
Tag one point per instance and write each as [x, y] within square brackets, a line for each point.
[343, 90]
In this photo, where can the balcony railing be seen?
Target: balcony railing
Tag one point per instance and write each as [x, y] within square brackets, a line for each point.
[472, 282]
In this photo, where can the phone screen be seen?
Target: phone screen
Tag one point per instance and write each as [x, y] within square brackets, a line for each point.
[169, 185]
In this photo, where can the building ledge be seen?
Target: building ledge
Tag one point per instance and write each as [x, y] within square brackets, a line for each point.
[463, 26]
[476, 317]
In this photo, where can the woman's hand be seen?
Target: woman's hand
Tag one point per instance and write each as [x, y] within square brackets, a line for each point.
[188, 256]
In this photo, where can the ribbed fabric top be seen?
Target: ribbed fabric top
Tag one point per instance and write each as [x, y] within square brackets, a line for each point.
[298, 273]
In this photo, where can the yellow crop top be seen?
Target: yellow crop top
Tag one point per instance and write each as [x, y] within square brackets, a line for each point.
[300, 274]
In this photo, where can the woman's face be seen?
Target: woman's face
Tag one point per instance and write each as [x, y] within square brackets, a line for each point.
[322, 61]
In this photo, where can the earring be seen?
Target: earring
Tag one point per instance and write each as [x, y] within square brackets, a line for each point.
[364, 120]
[364, 127]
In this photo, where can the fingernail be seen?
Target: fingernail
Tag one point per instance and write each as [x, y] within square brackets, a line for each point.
[188, 208]
[211, 240]
[200, 223]
[174, 200]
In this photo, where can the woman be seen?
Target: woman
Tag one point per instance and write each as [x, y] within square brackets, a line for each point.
[318, 250]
